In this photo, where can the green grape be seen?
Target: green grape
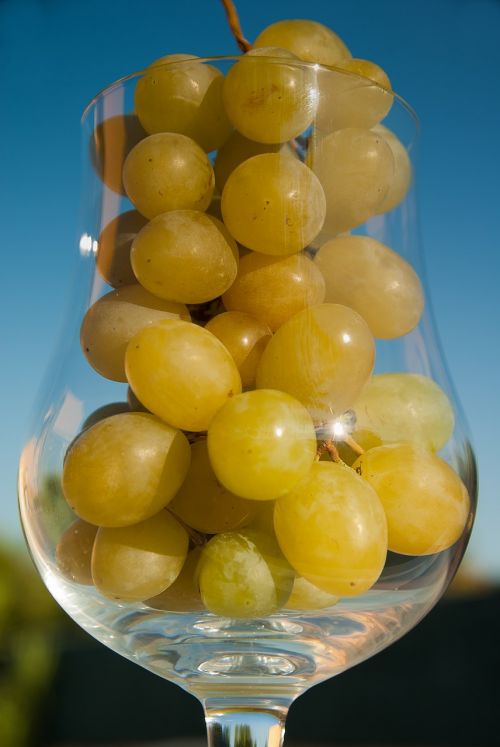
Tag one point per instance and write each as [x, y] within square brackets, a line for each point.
[168, 171]
[244, 574]
[273, 204]
[360, 99]
[111, 142]
[181, 372]
[115, 241]
[136, 562]
[183, 595]
[270, 100]
[185, 256]
[261, 443]
[333, 531]
[356, 168]
[323, 356]
[124, 469]
[179, 94]
[74, 551]
[114, 319]
[375, 281]
[273, 289]
[245, 337]
[204, 504]
[401, 181]
[306, 596]
[113, 408]
[407, 407]
[426, 503]
[308, 40]
[263, 520]
[237, 149]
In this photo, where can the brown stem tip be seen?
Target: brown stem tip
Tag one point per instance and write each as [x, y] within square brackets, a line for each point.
[235, 26]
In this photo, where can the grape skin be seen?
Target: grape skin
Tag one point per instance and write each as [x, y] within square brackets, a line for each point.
[401, 181]
[111, 142]
[183, 595]
[237, 149]
[74, 551]
[115, 241]
[308, 40]
[306, 596]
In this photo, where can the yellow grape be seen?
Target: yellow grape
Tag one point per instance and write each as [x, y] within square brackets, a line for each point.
[426, 503]
[179, 94]
[308, 40]
[332, 530]
[356, 168]
[181, 372]
[363, 438]
[115, 241]
[269, 96]
[203, 503]
[183, 595]
[168, 171]
[245, 337]
[124, 469]
[396, 407]
[261, 443]
[111, 142]
[113, 408]
[375, 281]
[401, 181]
[244, 574]
[273, 289]
[306, 596]
[273, 204]
[185, 256]
[74, 552]
[323, 356]
[114, 319]
[237, 149]
[137, 562]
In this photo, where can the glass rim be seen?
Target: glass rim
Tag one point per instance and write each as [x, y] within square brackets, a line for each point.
[235, 58]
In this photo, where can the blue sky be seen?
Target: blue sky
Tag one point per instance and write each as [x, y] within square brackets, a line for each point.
[442, 56]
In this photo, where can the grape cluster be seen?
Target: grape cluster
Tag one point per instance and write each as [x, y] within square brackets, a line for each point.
[243, 319]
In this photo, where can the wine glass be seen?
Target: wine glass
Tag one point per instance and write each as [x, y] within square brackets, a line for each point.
[247, 667]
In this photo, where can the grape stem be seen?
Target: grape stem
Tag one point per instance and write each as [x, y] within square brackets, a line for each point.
[353, 444]
[235, 26]
[197, 538]
[330, 447]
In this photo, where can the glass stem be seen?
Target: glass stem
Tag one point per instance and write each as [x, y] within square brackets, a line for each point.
[248, 725]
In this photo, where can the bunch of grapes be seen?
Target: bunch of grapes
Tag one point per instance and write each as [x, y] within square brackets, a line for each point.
[259, 464]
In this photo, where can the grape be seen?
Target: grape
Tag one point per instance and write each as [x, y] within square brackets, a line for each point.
[74, 551]
[140, 561]
[245, 337]
[425, 501]
[111, 142]
[273, 204]
[115, 241]
[332, 530]
[405, 407]
[124, 469]
[185, 256]
[183, 595]
[323, 356]
[114, 319]
[352, 100]
[237, 149]
[305, 596]
[356, 168]
[308, 40]
[365, 439]
[381, 286]
[261, 443]
[203, 503]
[179, 94]
[168, 171]
[243, 574]
[401, 181]
[273, 289]
[113, 408]
[269, 97]
[181, 372]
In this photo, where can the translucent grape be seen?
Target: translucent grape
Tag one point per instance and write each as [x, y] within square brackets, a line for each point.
[115, 241]
[140, 561]
[261, 443]
[183, 595]
[74, 552]
[204, 504]
[244, 574]
[114, 319]
[408, 407]
[168, 171]
[305, 596]
[179, 94]
[245, 337]
[237, 149]
[308, 40]
[425, 501]
[375, 281]
[273, 289]
[111, 142]
[401, 181]
[333, 531]
[323, 356]
[124, 469]
[273, 204]
[181, 372]
[184, 256]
